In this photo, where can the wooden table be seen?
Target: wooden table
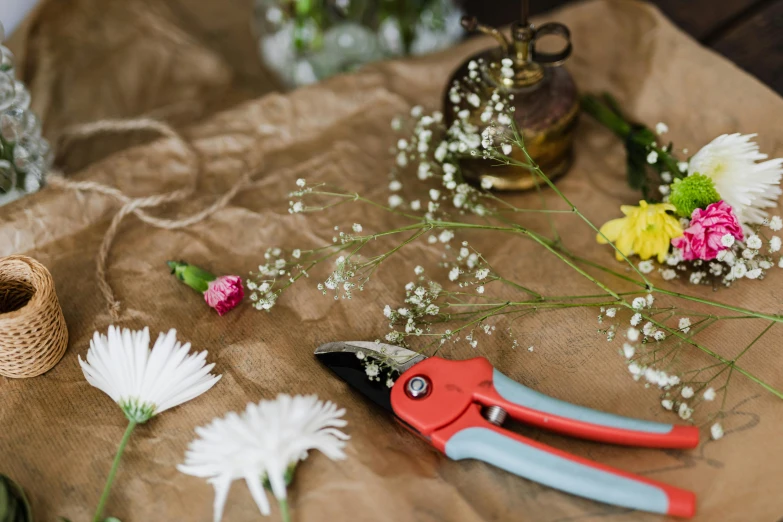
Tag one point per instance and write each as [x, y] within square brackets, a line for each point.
[748, 32]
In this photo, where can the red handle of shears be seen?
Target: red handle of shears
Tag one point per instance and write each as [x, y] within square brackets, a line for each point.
[449, 414]
[457, 384]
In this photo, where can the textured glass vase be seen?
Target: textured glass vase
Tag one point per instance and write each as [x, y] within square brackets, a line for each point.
[304, 41]
[24, 154]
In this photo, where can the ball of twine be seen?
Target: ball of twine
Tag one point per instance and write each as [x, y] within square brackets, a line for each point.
[33, 335]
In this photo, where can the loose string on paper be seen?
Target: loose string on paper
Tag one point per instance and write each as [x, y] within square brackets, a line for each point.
[138, 206]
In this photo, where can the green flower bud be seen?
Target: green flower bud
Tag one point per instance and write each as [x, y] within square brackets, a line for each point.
[692, 192]
[193, 276]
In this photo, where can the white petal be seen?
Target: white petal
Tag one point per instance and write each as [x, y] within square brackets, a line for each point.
[122, 365]
[257, 492]
[222, 485]
[264, 440]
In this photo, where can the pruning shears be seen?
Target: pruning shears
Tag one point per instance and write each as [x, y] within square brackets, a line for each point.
[459, 407]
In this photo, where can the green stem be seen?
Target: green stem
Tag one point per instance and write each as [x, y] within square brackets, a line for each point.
[115, 465]
[284, 514]
[732, 363]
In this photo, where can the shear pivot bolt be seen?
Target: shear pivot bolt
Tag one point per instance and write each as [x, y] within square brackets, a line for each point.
[418, 387]
[496, 415]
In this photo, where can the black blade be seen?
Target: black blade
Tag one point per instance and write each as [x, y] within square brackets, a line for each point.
[351, 369]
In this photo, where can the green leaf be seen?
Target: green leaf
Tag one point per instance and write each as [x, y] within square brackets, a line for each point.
[111, 519]
[11, 507]
[14, 506]
[636, 162]
[5, 499]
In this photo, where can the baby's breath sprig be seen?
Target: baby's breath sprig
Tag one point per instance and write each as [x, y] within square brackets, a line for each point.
[466, 299]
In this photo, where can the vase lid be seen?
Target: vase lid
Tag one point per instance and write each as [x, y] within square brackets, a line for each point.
[519, 64]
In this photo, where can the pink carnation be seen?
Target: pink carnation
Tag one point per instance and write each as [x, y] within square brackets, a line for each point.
[702, 239]
[224, 293]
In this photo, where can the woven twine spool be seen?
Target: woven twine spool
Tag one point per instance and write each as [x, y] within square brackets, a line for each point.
[33, 335]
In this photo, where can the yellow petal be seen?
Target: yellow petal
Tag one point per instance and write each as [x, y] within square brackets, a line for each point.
[645, 248]
[612, 230]
[624, 246]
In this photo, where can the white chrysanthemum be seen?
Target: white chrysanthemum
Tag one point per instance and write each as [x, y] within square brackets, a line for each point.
[264, 443]
[748, 187]
[146, 382]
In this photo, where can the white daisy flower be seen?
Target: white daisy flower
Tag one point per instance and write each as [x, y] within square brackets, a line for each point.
[146, 382]
[264, 444]
[143, 382]
[747, 186]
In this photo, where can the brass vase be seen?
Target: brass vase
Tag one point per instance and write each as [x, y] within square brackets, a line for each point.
[545, 100]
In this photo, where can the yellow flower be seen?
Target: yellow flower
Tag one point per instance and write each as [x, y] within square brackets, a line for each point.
[647, 230]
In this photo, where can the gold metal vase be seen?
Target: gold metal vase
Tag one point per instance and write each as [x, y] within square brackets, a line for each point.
[545, 100]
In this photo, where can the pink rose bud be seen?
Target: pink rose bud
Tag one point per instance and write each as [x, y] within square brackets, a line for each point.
[702, 239]
[221, 293]
[224, 293]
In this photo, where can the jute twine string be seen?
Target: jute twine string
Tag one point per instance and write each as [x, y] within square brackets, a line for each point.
[33, 334]
[137, 206]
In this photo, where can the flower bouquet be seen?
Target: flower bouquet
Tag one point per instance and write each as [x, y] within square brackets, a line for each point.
[704, 219]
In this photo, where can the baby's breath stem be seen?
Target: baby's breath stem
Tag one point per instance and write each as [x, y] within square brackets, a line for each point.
[538, 172]
[115, 465]
[728, 362]
[745, 311]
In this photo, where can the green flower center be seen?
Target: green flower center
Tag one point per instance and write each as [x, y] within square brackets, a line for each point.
[137, 411]
[692, 192]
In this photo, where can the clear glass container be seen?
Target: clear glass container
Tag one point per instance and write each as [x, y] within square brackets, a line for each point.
[24, 154]
[304, 41]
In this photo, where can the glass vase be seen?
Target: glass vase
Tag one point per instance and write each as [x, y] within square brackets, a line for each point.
[304, 41]
[24, 154]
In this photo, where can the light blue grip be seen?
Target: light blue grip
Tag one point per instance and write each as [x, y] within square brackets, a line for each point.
[554, 471]
[512, 391]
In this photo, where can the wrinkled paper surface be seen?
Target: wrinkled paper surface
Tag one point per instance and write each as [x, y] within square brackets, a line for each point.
[59, 434]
